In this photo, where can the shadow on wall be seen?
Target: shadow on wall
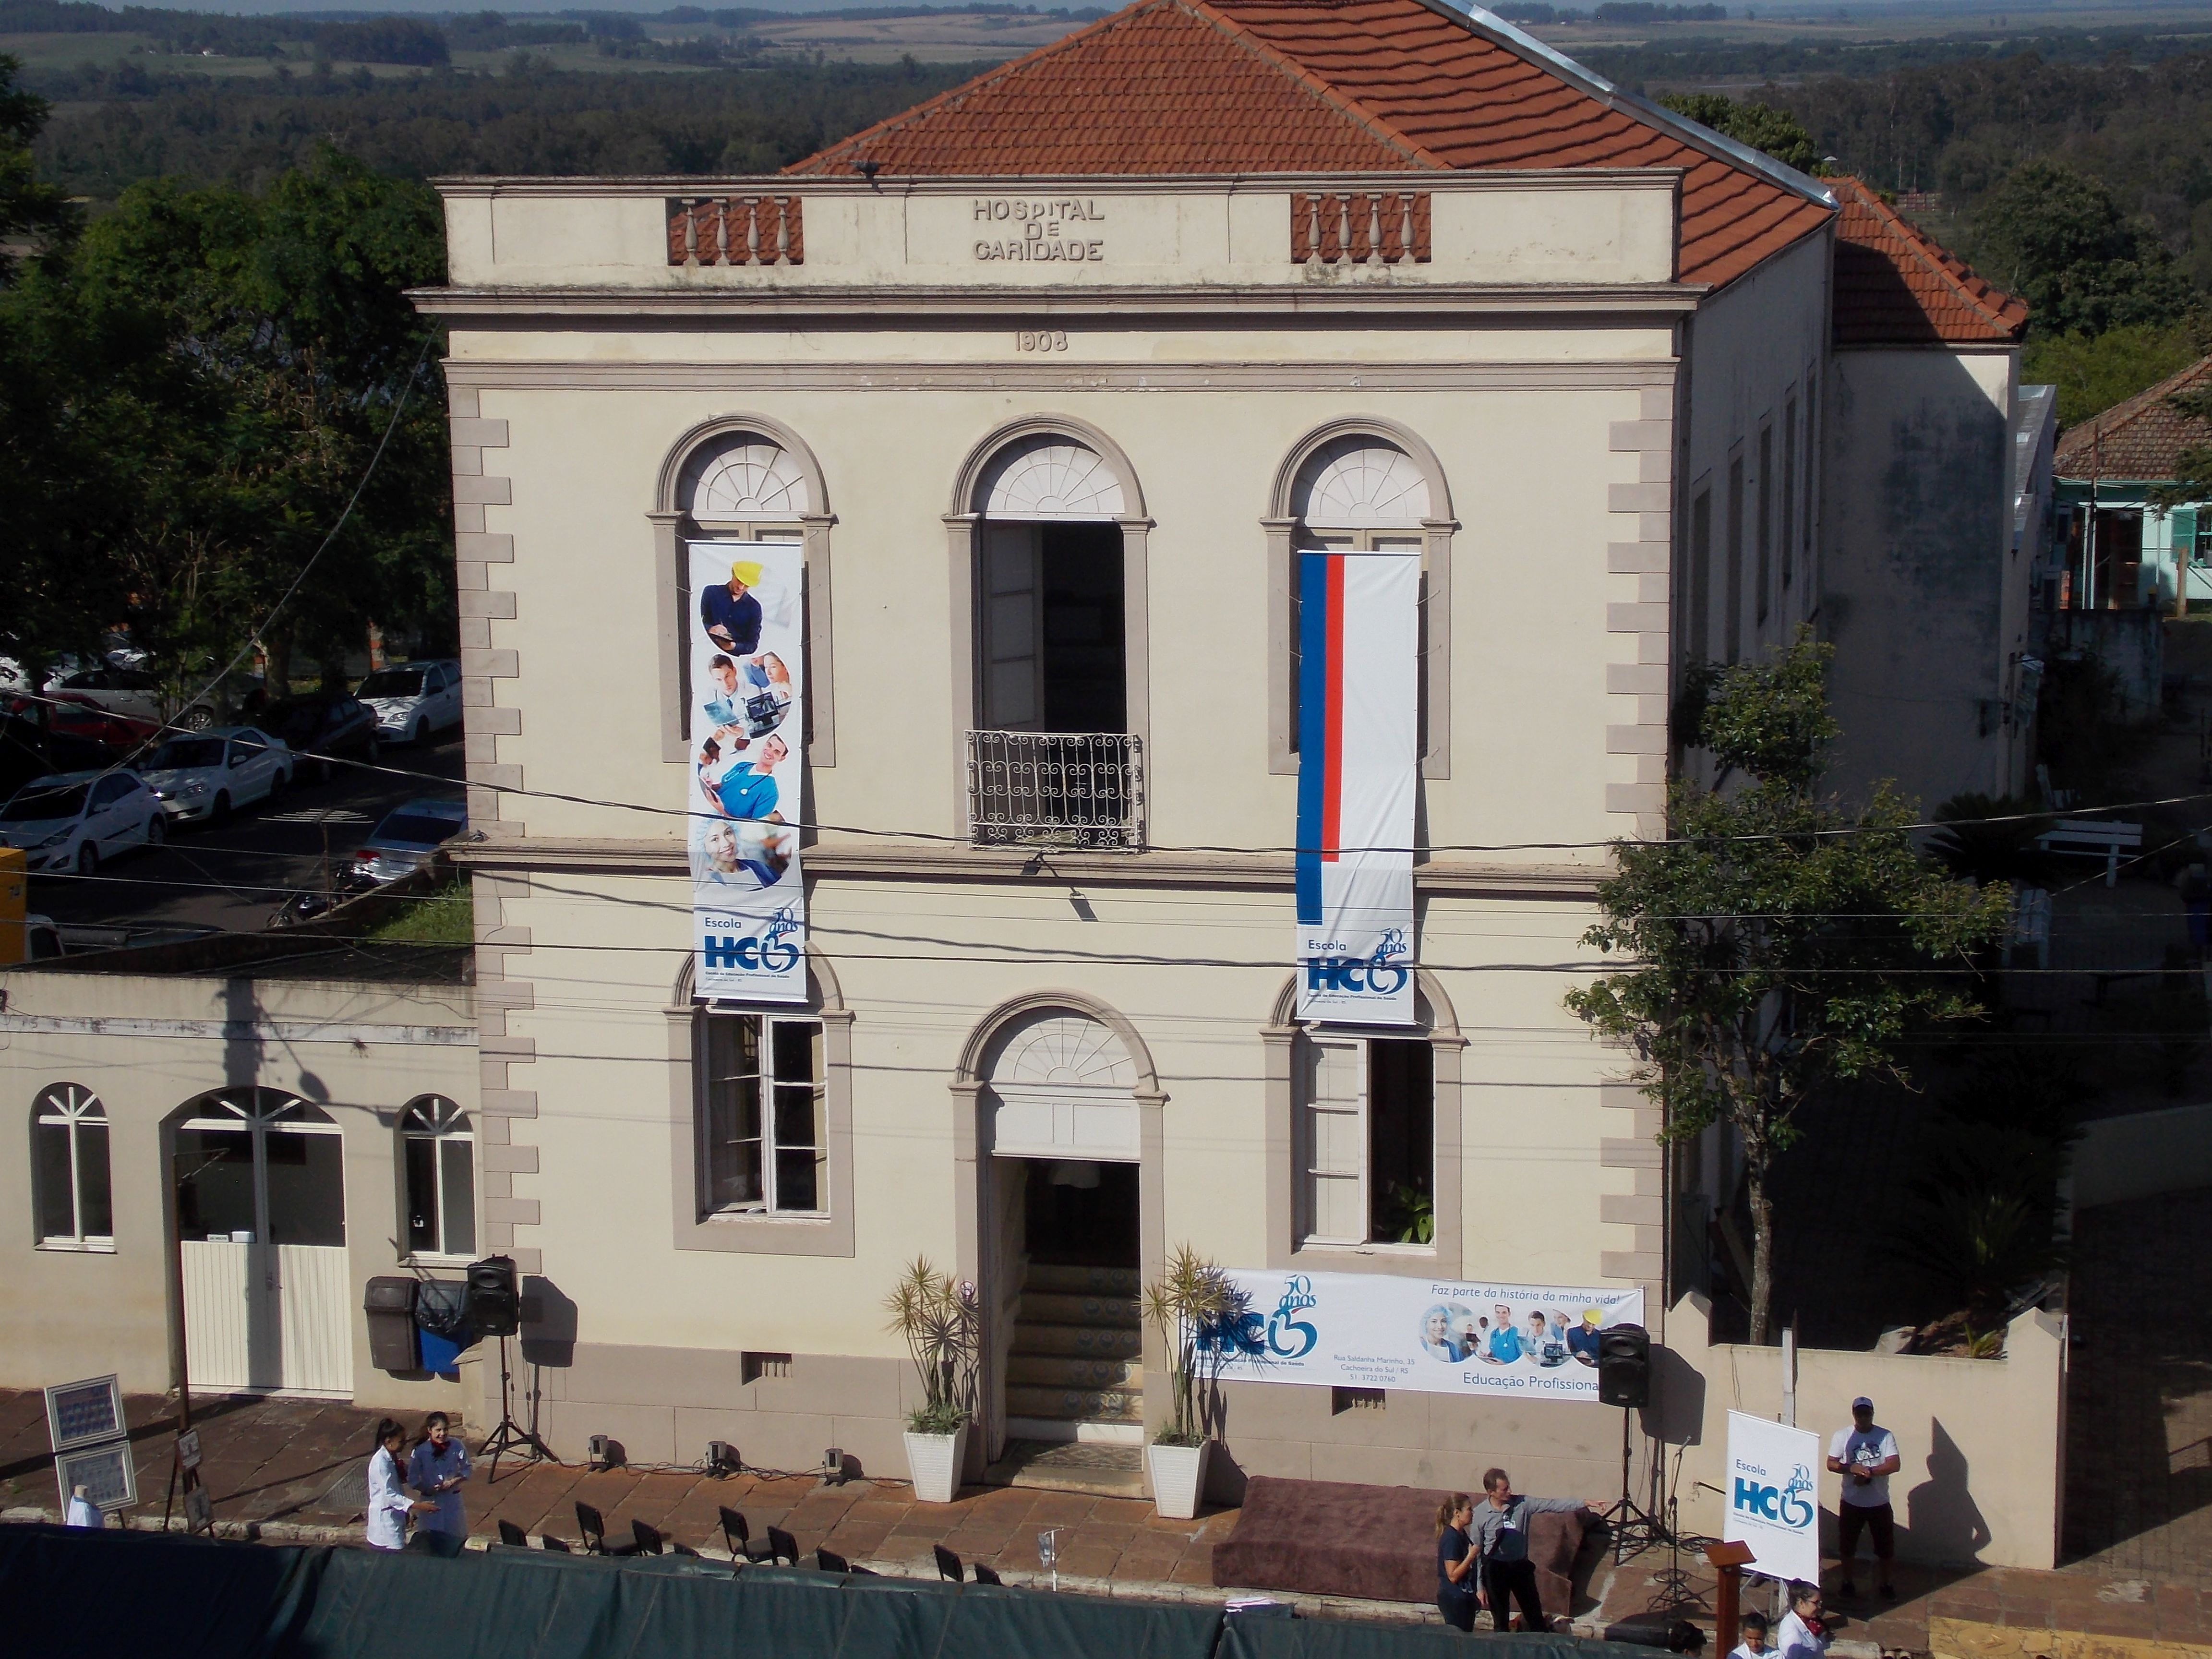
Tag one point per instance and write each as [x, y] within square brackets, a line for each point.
[1939, 1520]
[549, 1324]
[1676, 1415]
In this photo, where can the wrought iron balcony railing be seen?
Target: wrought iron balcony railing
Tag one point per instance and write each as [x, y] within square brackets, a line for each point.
[1056, 789]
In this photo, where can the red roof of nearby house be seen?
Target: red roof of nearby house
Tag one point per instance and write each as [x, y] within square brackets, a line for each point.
[2139, 439]
[1323, 86]
[1896, 287]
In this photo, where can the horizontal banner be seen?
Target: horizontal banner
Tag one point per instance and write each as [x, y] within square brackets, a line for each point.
[1433, 1336]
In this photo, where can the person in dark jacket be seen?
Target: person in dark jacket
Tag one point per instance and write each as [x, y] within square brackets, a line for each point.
[729, 612]
[1457, 1565]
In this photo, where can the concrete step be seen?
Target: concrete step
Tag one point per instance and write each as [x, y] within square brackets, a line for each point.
[1081, 1281]
[1078, 1340]
[1106, 1471]
[1051, 1307]
[1096, 1405]
[1075, 1370]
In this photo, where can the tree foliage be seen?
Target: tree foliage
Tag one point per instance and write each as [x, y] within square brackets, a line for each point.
[1776, 939]
[1775, 131]
[2058, 239]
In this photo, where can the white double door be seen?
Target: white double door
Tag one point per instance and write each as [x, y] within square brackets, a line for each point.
[261, 1219]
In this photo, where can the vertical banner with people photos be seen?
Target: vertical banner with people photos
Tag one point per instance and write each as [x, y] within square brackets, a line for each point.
[746, 800]
[1359, 761]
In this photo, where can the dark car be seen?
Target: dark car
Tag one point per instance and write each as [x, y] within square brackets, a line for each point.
[27, 750]
[326, 726]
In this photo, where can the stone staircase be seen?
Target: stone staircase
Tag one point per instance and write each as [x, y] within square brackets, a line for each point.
[1075, 1385]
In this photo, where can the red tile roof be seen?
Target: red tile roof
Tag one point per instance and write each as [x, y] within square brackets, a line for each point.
[2139, 439]
[1895, 287]
[1322, 86]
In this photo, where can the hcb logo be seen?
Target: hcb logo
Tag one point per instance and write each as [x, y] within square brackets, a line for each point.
[774, 955]
[1784, 1504]
[1349, 973]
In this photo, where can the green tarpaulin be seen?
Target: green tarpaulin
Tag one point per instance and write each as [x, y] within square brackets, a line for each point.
[83, 1595]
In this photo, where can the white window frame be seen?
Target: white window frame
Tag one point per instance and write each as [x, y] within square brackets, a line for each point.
[441, 1123]
[68, 1106]
[769, 1149]
[1308, 1154]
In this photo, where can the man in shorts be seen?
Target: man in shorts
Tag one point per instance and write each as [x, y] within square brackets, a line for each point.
[1865, 1455]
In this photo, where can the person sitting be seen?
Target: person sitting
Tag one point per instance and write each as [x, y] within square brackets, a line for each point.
[1501, 1534]
[1458, 1597]
[1804, 1631]
[1753, 1643]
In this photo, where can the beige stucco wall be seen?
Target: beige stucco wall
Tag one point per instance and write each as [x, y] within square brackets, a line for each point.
[1919, 570]
[1980, 1441]
[359, 1052]
[1750, 348]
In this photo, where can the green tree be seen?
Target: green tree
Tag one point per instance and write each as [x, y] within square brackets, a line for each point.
[2058, 239]
[2095, 372]
[1775, 131]
[1778, 939]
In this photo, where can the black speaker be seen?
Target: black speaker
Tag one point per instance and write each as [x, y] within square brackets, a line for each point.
[1624, 1365]
[495, 1304]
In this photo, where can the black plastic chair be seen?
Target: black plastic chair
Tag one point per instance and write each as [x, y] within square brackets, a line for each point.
[512, 1534]
[987, 1575]
[782, 1546]
[685, 1549]
[593, 1526]
[829, 1561]
[546, 1540]
[739, 1537]
[649, 1540]
[948, 1564]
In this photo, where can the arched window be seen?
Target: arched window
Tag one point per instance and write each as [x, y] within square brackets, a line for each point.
[437, 1147]
[76, 1210]
[1356, 486]
[746, 481]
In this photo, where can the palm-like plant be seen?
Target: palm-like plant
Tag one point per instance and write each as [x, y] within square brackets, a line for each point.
[943, 1325]
[1194, 1302]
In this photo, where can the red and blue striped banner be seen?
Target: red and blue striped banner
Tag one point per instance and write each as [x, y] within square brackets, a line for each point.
[1359, 766]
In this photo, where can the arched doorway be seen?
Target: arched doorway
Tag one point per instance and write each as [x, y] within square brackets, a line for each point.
[1066, 1178]
[260, 1214]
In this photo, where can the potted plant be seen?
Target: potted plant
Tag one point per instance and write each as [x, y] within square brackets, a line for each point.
[943, 1325]
[1191, 1303]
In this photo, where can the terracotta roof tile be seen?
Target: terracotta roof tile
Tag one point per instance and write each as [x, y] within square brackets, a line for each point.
[1297, 86]
[2141, 438]
[1895, 286]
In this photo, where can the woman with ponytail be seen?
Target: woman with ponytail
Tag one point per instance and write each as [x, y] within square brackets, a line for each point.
[1457, 1597]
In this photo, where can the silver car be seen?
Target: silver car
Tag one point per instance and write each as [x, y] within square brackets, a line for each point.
[407, 840]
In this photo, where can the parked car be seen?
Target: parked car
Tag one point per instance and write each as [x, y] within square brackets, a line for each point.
[413, 699]
[323, 726]
[72, 820]
[407, 840]
[224, 766]
[132, 693]
[28, 750]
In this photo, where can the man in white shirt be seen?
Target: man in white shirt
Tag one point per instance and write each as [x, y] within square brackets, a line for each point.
[1865, 1455]
[81, 1512]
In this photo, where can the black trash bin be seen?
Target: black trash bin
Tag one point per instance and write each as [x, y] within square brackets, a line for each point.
[390, 1304]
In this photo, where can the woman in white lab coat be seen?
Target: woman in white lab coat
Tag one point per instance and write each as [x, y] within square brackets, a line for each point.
[388, 1506]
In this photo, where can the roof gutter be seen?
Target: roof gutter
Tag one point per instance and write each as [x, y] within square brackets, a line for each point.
[1497, 30]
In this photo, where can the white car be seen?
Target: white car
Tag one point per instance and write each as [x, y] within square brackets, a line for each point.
[413, 699]
[71, 820]
[205, 776]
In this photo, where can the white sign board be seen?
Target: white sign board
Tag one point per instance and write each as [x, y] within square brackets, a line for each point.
[1432, 1336]
[1774, 1497]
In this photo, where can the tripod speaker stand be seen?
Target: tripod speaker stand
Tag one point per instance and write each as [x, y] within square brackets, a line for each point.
[1635, 1528]
[510, 1437]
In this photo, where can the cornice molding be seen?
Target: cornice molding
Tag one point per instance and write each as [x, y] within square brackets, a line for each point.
[993, 867]
[740, 295]
[526, 374]
[652, 185]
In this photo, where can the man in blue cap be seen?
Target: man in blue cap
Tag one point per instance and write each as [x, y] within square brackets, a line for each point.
[1865, 1455]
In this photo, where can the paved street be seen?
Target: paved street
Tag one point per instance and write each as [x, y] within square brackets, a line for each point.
[234, 875]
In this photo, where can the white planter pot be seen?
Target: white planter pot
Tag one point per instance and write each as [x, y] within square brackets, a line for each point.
[1179, 1478]
[935, 1461]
